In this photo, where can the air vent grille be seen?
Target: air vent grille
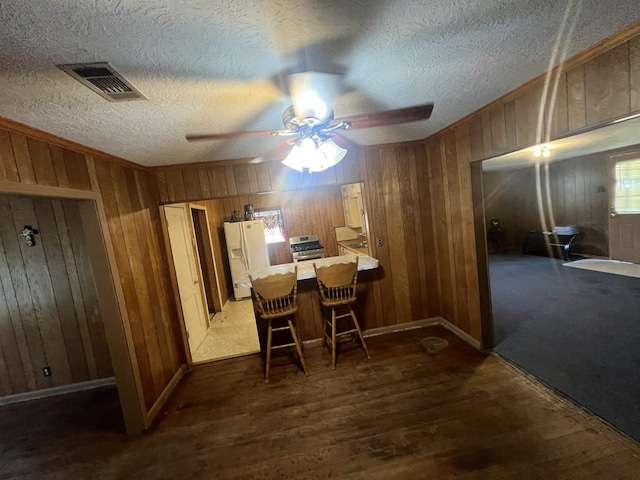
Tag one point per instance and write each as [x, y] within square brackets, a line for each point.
[103, 79]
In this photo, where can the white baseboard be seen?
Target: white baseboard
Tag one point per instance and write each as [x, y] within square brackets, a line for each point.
[50, 392]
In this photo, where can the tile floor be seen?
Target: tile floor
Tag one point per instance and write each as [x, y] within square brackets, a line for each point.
[232, 334]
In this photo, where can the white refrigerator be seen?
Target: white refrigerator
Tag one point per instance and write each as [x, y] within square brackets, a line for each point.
[247, 249]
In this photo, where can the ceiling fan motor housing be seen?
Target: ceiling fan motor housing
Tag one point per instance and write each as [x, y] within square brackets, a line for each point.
[295, 123]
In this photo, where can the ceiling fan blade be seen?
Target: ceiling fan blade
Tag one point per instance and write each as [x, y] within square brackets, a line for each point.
[343, 141]
[279, 152]
[388, 117]
[226, 136]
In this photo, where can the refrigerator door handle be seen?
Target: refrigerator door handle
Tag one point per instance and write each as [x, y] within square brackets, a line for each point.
[247, 258]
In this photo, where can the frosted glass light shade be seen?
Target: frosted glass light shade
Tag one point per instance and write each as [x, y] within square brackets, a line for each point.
[314, 158]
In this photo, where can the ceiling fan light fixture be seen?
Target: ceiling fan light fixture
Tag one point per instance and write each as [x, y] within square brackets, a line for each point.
[309, 105]
[327, 155]
[314, 156]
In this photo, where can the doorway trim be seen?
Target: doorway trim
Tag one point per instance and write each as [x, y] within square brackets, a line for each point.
[209, 245]
[110, 295]
[174, 276]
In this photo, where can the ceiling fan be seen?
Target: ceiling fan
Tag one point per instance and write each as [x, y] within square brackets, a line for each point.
[311, 127]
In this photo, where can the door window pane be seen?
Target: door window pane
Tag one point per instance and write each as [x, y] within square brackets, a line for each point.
[627, 188]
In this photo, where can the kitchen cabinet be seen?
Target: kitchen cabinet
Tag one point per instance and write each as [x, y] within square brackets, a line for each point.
[353, 206]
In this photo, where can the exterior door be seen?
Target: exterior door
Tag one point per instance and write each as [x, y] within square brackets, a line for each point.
[624, 202]
[187, 274]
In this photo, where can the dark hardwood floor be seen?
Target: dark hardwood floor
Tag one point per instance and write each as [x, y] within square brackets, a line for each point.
[403, 414]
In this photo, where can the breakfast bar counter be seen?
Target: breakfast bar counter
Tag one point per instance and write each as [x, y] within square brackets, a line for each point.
[309, 316]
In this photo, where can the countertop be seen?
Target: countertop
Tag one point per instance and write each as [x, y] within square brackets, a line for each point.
[359, 250]
[305, 268]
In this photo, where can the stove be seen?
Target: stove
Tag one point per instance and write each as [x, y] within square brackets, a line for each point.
[306, 247]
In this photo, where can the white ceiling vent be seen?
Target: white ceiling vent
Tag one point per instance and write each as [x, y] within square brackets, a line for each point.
[103, 79]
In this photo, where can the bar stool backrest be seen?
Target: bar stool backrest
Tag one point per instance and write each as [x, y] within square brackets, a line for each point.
[276, 294]
[337, 282]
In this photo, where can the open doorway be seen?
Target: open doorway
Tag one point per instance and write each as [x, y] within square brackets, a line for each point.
[214, 328]
[76, 246]
[573, 328]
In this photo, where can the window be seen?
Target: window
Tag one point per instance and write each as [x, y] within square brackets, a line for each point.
[273, 223]
[627, 188]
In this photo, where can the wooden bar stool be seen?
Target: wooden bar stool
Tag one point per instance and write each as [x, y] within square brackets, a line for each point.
[337, 284]
[275, 296]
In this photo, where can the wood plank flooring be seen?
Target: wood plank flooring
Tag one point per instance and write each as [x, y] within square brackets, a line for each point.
[403, 414]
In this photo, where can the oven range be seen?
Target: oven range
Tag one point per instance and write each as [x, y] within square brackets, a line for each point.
[306, 247]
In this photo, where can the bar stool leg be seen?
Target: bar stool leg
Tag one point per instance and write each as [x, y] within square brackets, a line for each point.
[334, 346]
[268, 360]
[355, 323]
[294, 334]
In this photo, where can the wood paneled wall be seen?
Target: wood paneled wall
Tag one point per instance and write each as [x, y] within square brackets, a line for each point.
[49, 312]
[601, 89]
[577, 196]
[130, 198]
[398, 203]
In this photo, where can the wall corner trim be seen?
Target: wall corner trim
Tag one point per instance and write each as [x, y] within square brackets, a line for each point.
[164, 396]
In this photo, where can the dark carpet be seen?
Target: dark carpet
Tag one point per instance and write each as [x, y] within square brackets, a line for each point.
[576, 330]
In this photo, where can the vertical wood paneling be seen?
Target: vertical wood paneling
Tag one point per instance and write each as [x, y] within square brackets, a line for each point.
[634, 74]
[576, 100]
[42, 163]
[8, 167]
[26, 160]
[559, 112]
[527, 113]
[58, 164]
[22, 158]
[61, 290]
[191, 180]
[169, 334]
[607, 85]
[412, 218]
[43, 306]
[463, 158]
[440, 205]
[74, 282]
[42, 295]
[15, 376]
[510, 127]
[77, 170]
[426, 223]
[205, 187]
[175, 186]
[396, 233]
[163, 191]
[241, 176]
[485, 118]
[264, 179]
[378, 229]
[20, 324]
[232, 187]
[498, 130]
[115, 218]
[461, 296]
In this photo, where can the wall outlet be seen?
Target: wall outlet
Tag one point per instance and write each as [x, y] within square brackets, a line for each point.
[379, 241]
[46, 371]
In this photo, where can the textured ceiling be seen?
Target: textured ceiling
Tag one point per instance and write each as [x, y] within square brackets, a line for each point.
[213, 66]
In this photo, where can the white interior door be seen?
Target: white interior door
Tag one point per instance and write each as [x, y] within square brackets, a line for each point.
[188, 276]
